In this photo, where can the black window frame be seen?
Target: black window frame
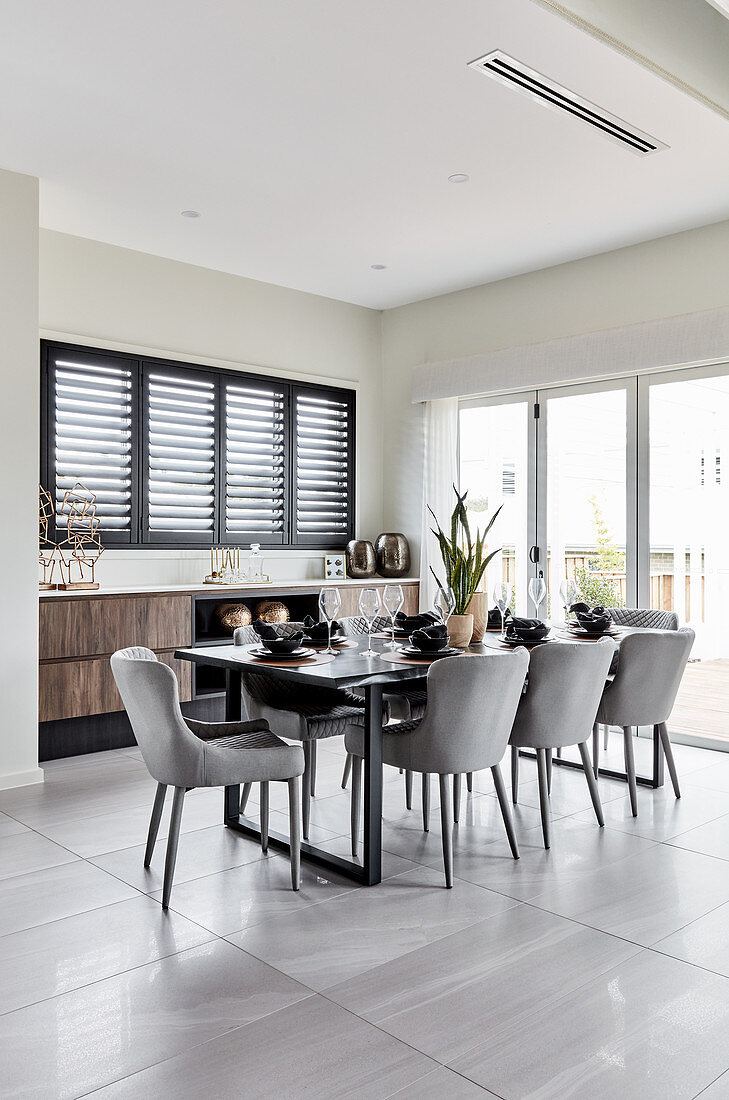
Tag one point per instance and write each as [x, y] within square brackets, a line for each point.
[139, 536]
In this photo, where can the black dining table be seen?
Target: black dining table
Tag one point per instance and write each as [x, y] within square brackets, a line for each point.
[351, 668]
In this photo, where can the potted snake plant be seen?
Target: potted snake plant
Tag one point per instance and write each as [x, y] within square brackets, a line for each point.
[464, 561]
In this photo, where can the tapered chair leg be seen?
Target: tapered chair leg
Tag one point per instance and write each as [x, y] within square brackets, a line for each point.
[264, 816]
[596, 750]
[668, 753]
[446, 824]
[245, 795]
[426, 802]
[505, 810]
[295, 832]
[469, 781]
[312, 774]
[605, 735]
[306, 790]
[159, 802]
[347, 771]
[514, 774]
[456, 797]
[591, 783]
[172, 840]
[549, 771]
[544, 805]
[409, 790]
[356, 800]
[630, 769]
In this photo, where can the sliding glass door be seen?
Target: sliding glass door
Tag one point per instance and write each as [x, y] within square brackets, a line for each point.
[497, 460]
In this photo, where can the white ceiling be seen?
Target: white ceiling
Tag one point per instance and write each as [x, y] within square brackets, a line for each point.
[316, 139]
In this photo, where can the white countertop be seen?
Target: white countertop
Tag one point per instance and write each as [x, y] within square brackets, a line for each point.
[217, 589]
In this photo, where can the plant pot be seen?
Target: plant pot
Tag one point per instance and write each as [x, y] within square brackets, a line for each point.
[460, 629]
[479, 608]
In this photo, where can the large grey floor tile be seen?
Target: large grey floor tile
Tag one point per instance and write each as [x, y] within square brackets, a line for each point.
[661, 816]
[54, 958]
[442, 998]
[72, 1044]
[56, 892]
[311, 1049]
[240, 897]
[329, 943]
[578, 849]
[125, 828]
[70, 797]
[717, 1090]
[704, 942]
[391, 864]
[22, 853]
[650, 1028]
[202, 852]
[570, 793]
[643, 898]
[442, 1084]
[711, 839]
[10, 827]
[715, 777]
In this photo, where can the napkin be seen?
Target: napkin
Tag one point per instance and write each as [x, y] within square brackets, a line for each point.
[264, 630]
[284, 645]
[430, 637]
[518, 627]
[495, 617]
[319, 631]
[416, 622]
[597, 619]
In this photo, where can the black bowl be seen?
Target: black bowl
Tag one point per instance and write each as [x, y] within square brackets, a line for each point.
[527, 634]
[426, 644]
[282, 645]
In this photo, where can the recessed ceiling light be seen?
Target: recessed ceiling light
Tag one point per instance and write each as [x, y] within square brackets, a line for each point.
[378, 267]
[459, 177]
[190, 213]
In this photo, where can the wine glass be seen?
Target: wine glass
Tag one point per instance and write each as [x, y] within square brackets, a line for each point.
[503, 595]
[537, 590]
[329, 603]
[369, 605]
[393, 600]
[445, 603]
[569, 590]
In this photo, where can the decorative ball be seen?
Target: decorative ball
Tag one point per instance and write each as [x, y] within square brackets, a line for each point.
[361, 559]
[271, 611]
[233, 615]
[393, 554]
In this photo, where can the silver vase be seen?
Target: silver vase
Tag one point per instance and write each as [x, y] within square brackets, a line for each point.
[393, 554]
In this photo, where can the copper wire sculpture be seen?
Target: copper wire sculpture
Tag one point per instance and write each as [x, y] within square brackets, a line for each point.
[80, 548]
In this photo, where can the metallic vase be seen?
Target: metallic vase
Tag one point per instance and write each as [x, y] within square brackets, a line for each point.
[360, 559]
[393, 554]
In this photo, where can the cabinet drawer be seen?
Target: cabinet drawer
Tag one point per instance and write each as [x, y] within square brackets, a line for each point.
[72, 689]
[90, 626]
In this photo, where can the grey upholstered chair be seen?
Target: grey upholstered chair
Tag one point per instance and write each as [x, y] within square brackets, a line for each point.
[182, 753]
[641, 618]
[643, 693]
[472, 701]
[566, 681]
[298, 712]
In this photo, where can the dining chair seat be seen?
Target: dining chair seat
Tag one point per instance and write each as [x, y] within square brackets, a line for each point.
[185, 753]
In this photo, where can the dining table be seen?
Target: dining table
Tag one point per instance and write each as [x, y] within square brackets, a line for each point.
[352, 668]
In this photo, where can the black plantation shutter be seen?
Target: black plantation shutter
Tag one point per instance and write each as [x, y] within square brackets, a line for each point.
[179, 427]
[91, 408]
[324, 467]
[255, 461]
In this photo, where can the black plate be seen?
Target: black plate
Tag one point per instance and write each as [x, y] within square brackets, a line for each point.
[446, 651]
[584, 632]
[296, 655]
[514, 642]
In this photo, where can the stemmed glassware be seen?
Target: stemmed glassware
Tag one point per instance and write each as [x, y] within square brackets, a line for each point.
[569, 590]
[393, 600]
[445, 603]
[369, 606]
[537, 590]
[503, 595]
[330, 602]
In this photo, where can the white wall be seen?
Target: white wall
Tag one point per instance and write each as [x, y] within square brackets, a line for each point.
[113, 297]
[19, 460]
[672, 275]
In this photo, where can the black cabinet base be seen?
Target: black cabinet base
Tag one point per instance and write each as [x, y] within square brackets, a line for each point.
[100, 732]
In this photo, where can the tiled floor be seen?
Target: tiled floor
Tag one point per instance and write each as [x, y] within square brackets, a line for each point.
[598, 969]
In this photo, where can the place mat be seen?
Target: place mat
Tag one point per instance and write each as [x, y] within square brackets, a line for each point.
[247, 658]
[348, 644]
[400, 658]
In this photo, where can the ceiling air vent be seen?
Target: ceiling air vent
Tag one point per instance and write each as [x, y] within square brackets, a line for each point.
[511, 72]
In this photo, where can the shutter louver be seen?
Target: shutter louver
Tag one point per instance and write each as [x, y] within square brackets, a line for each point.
[92, 408]
[323, 460]
[255, 462]
[180, 447]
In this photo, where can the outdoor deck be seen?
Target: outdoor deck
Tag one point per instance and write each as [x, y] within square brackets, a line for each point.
[702, 706]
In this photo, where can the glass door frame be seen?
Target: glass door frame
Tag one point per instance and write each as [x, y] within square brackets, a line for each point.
[632, 548]
[517, 397]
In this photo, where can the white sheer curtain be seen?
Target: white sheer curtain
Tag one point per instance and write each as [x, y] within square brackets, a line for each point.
[440, 474]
